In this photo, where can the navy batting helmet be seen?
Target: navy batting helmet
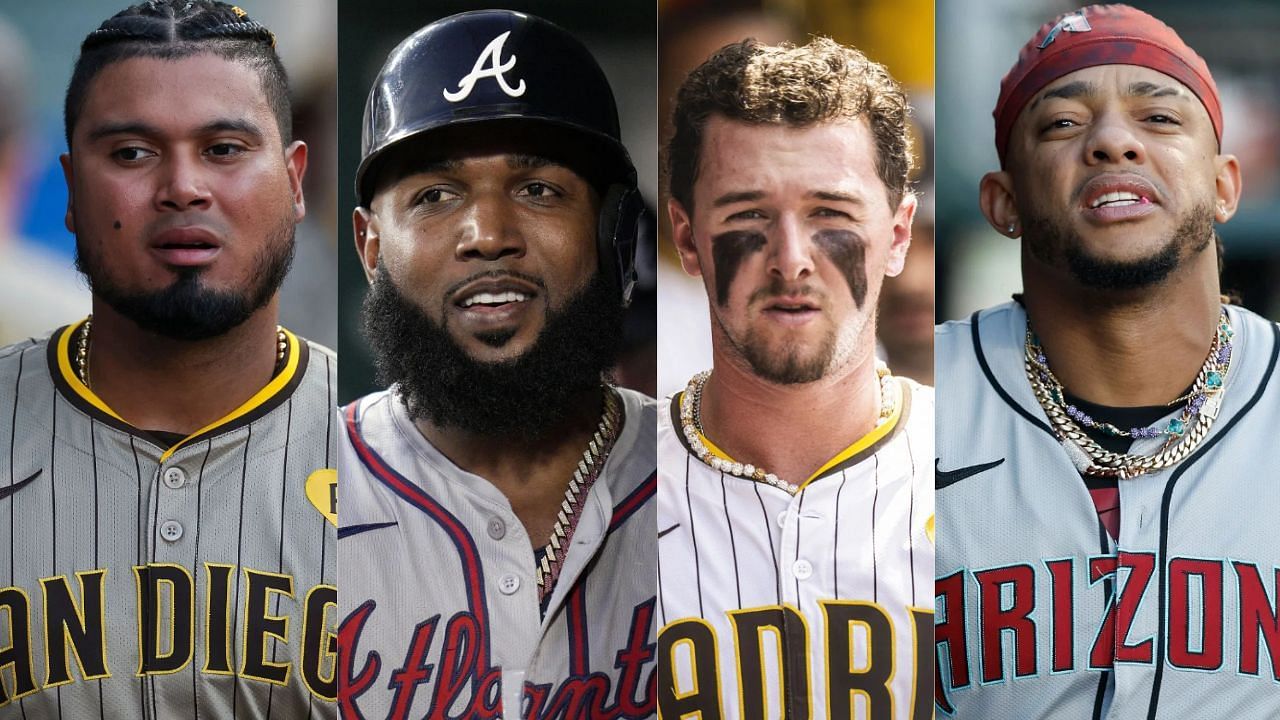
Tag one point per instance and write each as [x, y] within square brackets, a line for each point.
[499, 66]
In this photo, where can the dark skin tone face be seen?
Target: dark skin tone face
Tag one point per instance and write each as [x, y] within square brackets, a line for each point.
[485, 242]
[1109, 164]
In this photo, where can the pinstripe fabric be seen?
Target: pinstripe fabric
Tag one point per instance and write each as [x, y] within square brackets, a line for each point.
[439, 601]
[1041, 613]
[100, 526]
[755, 583]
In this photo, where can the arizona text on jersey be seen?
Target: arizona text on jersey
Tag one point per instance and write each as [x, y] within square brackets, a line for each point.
[1040, 613]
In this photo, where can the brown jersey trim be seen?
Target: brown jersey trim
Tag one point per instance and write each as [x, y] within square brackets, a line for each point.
[276, 392]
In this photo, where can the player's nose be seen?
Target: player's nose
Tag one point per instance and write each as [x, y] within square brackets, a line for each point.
[487, 229]
[790, 250]
[182, 184]
[1113, 139]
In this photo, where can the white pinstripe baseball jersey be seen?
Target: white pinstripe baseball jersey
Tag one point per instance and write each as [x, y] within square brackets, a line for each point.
[439, 602]
[806, 606]
[140, 579]
[1040, 613]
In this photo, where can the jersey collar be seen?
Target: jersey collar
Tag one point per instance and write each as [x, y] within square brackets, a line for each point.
[276, 391]
[862, 448]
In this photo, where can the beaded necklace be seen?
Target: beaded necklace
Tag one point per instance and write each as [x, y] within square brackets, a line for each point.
[691, 426]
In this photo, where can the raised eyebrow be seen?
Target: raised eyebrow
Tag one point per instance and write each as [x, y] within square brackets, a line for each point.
[1148, 89]
[1069, 91]
[737, 197]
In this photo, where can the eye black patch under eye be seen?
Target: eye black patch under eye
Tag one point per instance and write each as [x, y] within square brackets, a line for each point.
[728, 250]
[849, 253]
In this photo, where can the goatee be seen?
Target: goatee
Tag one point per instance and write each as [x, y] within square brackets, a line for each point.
[187, 309]
[524, 397]
[1054, 244]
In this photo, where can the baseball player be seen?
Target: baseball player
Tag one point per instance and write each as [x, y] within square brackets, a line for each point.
[166, 465]
[1107, 544]
[498, 499]
[795, 494]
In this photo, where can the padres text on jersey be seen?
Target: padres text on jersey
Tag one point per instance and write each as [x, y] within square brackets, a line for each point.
[806, 606]
[439, 602]
[142, 578]
[1040, 613]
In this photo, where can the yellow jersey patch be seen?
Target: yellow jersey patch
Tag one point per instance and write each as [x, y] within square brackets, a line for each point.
[322, 491]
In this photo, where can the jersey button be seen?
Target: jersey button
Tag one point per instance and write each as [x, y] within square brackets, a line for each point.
[509, 584]
[174, 478]
[803, 569]
[171, 530]
[496, 528]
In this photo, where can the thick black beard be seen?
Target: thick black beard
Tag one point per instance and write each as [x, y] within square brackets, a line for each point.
[1194, 234]
[525, 397]
[186, 309]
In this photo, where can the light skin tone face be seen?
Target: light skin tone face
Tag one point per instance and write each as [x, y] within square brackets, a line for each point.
[178, 165]
[1118, 156]
[792, 232]
[486, 243]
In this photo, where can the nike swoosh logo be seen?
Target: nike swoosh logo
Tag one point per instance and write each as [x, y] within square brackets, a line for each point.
[349, 530]
[664, 532]
[944, 478]
[15, 487]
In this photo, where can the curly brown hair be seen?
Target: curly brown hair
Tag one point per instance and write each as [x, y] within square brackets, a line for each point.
[822, 81]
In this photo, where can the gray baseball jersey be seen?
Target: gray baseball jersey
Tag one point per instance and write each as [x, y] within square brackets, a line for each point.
[813, 605]
[146, 579]
[1040, 614]
[440, 608]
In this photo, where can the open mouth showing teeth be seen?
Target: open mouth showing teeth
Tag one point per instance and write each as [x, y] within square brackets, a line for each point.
[1118, 199]
[493, 299]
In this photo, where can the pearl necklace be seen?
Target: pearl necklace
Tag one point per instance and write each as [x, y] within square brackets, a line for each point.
[584, 476]
[691, 426]
[82, 349]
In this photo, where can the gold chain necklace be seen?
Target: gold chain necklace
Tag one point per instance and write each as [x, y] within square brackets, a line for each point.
[584, 476]
[1091, 458]
[82, 349]
[691, 426]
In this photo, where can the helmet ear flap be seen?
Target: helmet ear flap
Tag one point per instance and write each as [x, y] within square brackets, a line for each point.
[624, 220]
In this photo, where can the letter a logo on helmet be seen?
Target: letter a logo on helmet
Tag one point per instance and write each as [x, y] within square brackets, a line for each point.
[489, 64]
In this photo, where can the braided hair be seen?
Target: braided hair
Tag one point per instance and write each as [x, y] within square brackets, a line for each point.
[175, 29]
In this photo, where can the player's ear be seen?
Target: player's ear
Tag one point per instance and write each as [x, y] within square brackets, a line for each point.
[364, 223]
[901, 234]
[1228, 186]
[68, 174]
[999, 204]
[295, 162]
[682, 236]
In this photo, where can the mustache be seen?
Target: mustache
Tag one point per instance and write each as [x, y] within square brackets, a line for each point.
[778, 288]
[496, 274]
